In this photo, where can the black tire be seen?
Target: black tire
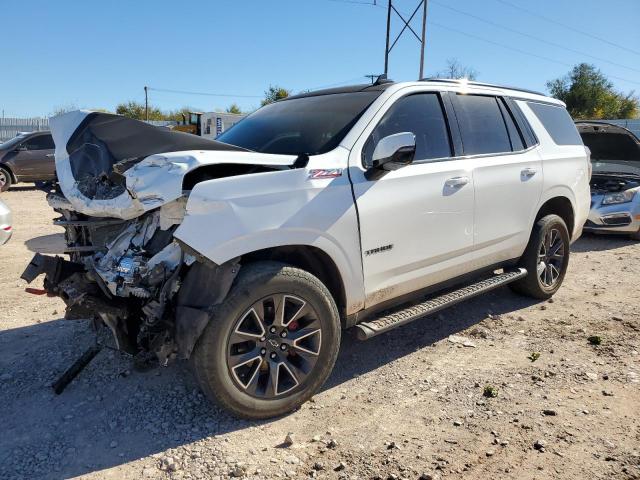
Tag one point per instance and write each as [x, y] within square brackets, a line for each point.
[533, 285]
[635, 235]
[212, 359]
[5, 179]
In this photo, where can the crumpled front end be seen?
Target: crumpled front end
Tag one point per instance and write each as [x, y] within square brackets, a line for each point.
[122, 193]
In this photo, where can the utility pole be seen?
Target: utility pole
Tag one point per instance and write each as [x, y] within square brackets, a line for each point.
[387, 49]
[424, 39]
[407, 25]
[146, 102]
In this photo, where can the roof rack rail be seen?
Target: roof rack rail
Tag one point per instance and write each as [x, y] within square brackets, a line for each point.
[480, 84]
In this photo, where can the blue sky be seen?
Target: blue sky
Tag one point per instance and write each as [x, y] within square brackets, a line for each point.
[95, 54]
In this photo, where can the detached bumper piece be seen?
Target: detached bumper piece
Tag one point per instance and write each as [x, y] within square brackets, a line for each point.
[74, 370]
[367, 330]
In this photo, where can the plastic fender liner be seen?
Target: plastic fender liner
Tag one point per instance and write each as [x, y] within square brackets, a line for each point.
[194, 302]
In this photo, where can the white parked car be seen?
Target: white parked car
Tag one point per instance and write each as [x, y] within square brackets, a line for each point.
[6, 227]
[324, 211]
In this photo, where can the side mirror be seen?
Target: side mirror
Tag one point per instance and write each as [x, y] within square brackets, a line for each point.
[397, 149]
[21, 148]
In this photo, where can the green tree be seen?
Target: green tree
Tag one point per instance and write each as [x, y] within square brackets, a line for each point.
[234, 108]
[136, 110]
[457, 70]
[274, 93]
[589, 94]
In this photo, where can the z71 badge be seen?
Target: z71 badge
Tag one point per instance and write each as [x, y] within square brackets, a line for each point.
[325, 173]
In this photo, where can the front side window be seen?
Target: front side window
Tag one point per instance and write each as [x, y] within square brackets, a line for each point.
[482, 125]
[557, 121]
[40, 142]
[307, 125]
[420, 114]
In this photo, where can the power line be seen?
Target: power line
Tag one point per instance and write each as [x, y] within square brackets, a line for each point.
[568, 27]
[354, 2]
[513, 30]
[207, 94]
[523, 52]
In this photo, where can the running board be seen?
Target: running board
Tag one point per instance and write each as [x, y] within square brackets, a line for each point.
[367, 330]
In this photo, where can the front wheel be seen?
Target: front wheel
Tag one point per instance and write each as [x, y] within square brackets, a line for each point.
[5, 180]
[546, 258]
[271, 344]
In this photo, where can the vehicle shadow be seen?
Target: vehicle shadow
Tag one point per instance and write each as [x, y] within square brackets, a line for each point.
[111, 415]
[593, 242]
[52, 243]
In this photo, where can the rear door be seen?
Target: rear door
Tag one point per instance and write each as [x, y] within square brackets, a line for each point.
[416, 222]
[508, 175]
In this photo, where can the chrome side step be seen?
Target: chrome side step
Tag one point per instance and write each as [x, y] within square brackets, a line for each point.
[367, 330]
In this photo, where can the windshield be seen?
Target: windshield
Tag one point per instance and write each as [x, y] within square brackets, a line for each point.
[12, 143]
[310, 125]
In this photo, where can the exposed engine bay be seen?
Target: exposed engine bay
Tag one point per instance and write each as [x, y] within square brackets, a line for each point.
[602, 183]
[133, 277]
[122, 193]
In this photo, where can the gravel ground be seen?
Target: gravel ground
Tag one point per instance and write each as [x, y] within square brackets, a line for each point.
[408, 404]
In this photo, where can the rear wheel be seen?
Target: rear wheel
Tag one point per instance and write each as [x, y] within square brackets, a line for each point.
[5, 179]
[271, 344]
[546, 258]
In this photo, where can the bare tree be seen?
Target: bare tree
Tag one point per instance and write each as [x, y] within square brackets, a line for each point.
[455, 69]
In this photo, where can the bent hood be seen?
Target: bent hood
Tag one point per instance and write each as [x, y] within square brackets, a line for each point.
[613, 148]
[113, 166]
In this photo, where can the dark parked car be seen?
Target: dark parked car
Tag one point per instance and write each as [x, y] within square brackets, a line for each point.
[28, 157]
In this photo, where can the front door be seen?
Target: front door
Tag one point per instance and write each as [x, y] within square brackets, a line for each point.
[416, 223]
[35, 159]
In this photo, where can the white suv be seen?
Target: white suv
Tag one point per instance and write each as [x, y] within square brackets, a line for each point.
[327, 210]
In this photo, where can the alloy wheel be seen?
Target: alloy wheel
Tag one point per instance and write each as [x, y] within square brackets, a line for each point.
[551, 258]
[274, 346]
[3, 178]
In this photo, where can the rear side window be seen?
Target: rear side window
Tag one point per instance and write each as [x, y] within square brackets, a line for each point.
[482, 125]
[40, 142]
[558, 122]
[420, 114]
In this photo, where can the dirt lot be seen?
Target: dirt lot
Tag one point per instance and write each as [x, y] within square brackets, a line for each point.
[408, 404]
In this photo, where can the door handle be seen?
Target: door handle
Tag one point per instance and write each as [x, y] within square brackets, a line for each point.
[529, 172]
[457, 182]
[49, 155]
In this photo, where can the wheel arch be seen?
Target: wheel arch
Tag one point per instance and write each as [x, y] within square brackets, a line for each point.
[559, 205]
[6, 167]
[311, 259]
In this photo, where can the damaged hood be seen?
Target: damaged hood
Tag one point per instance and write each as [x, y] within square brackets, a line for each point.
[113, 166]
[614, 149]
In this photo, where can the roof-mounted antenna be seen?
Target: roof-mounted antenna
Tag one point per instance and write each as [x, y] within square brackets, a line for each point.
[382, 79]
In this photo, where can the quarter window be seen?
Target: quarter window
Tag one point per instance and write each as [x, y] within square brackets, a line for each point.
[420, 114]
[557, 121]
[482, 125]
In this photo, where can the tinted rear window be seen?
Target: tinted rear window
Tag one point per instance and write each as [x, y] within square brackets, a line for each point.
[481, 124]
[558, 122]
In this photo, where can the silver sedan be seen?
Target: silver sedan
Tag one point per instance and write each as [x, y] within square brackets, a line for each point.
[5, 223]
